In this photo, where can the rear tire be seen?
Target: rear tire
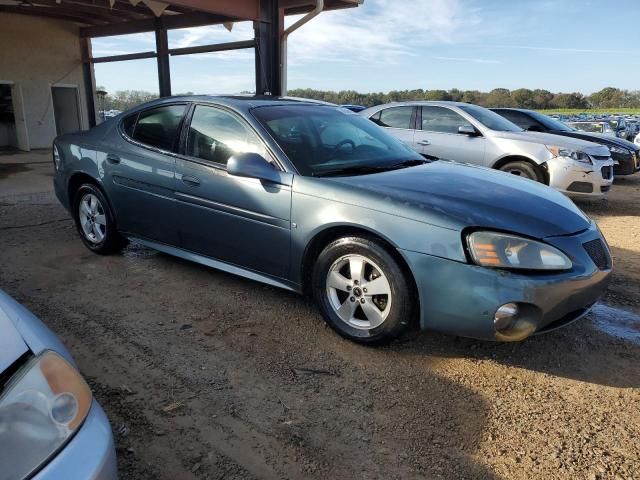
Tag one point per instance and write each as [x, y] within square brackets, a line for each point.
[361, 290]
[95, 221]
[524, 169]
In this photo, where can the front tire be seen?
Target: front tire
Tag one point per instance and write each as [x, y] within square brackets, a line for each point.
[524, 170]
[95, 222]
[361, 290]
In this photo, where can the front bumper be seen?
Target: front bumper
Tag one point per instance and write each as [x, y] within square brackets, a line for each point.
[90, 455]
[461, 299]
[581, 180]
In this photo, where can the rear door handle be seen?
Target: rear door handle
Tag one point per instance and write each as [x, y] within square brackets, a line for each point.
[191, 181]
[111, 158]
[424, 142]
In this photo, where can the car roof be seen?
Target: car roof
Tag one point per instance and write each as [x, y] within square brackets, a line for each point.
[238, 102]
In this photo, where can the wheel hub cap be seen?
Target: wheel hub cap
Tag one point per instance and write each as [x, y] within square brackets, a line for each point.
[359, 291]
[92, 218]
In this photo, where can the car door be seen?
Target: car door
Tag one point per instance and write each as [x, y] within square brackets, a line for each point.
[242, 221]
[438, 136]
[139, 168]
[399, 121]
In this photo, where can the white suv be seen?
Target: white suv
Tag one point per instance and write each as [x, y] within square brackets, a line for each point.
[471, 134]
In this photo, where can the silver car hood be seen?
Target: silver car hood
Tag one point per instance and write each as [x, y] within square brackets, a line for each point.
[12, 345]
[556, 140]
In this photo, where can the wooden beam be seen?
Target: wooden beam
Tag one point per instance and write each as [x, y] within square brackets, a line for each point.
[240, 9]
[164, 68]
[138, 26]
[47, 12]
[122, 58]
[117, 13]
[213, 47]
[89, 81]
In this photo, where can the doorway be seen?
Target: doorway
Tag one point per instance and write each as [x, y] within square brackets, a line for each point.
[8, 136]
[66, 108]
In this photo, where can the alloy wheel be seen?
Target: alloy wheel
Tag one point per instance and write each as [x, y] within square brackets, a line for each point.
[358, 291]
[92, 217]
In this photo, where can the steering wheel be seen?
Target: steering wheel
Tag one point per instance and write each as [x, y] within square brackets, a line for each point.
[341, 144]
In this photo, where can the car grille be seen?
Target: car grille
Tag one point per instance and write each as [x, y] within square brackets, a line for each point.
[598, 253]
[607, 172]
[600, 158]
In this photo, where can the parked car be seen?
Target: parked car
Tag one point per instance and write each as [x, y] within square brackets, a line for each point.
[316, 199]
[620, 127]
[471, 134]
[626, 155]
[51, 427]
[354, 108]
[599, 127]
[637, 139]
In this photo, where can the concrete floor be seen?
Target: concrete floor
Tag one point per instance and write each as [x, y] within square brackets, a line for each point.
[26, 173]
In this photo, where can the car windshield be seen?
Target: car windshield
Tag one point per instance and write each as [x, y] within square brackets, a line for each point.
[490, 119]
[592, 127]
[550, 123]
[322, 140]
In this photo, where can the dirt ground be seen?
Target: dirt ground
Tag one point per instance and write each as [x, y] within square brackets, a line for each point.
[205, 375]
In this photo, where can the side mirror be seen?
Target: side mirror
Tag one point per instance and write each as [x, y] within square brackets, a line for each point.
[467, 130]
[254, 165]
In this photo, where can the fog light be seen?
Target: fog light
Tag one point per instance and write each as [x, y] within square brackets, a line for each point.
[505, 317]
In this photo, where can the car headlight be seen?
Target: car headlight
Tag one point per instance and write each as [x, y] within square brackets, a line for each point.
[620, 150]
[44, 404]
[501, 250]
[573, 154]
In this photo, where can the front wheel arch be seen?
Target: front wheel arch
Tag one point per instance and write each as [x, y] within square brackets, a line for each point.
[542, 168]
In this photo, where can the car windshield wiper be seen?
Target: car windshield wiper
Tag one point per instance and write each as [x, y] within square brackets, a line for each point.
[363, 169]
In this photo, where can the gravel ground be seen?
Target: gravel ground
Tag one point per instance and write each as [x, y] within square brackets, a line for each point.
[205, 375]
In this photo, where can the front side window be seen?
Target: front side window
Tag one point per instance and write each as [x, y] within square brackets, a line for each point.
[490, 119]
[322, 140]
[442, 120]
[394, 117]
[159, 127]
[215, 135]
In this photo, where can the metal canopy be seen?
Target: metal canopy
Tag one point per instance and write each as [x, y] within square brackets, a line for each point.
[100, 18]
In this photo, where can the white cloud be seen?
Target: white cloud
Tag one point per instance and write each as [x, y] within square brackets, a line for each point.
[385, 31]
[467, 60]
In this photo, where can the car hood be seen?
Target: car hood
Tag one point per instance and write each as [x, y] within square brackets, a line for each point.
[556, 140]
[12, 345]
[21, 331]
[600, 138]
[455, 195]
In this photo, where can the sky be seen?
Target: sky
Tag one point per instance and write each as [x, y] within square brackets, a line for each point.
[383, 45]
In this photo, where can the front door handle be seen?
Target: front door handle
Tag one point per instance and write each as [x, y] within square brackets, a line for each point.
[191, 181]
[424, 142]
[115, 159]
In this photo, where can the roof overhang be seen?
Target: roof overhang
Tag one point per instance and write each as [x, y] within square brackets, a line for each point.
[116, 17]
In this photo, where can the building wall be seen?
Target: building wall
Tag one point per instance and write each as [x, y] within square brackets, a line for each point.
[37, 53]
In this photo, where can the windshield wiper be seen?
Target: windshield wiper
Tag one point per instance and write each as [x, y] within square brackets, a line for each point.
[364, 169]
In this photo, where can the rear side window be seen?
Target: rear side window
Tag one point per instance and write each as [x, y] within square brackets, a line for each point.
[394, 117]
[129, 123]
[159, 127]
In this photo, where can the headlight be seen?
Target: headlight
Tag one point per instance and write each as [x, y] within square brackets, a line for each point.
[573, 154]
[56, 158]
[500, 250]
[620, 150]
[41, 409]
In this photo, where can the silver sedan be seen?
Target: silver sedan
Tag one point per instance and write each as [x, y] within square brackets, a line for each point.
[51, 427]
